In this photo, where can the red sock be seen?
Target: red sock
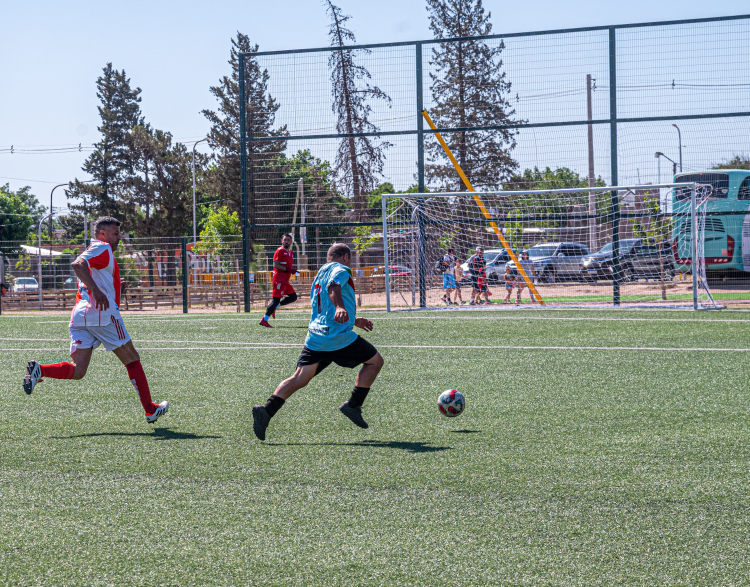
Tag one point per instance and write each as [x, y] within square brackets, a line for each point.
[139, 381]
[58, 370]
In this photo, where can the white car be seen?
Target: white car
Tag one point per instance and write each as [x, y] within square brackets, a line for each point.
[25, 284]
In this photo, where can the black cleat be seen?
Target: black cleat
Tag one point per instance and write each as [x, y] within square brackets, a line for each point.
[260, 421]
[354, 414]
[32, 377]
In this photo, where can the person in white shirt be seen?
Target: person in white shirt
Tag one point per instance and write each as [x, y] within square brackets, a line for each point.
[96, 320]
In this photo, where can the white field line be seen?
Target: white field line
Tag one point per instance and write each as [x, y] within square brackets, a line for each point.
[272, 346]
[444, 318]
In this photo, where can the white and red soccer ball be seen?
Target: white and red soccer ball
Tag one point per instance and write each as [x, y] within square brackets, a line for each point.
[451, 403]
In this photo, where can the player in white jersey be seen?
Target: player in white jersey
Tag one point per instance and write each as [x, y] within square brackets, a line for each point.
[96, 320]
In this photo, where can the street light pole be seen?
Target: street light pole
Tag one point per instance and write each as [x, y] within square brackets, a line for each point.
[679, 139]
[39, 257]
[50, 210]
[195, 229]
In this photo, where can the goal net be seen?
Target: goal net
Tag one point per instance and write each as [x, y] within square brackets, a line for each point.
[608, 246]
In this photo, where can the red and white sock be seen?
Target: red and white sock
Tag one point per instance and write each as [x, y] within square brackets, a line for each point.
[139, 381]
[58, 370]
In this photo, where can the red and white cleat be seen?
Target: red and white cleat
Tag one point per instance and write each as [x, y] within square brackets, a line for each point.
[162, 409]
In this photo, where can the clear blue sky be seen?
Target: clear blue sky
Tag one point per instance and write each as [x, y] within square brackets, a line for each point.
[52, 53]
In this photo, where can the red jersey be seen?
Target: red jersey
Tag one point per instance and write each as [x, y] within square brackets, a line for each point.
[285, 258]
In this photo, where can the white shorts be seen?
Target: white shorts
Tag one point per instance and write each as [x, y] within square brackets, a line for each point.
[113, 336]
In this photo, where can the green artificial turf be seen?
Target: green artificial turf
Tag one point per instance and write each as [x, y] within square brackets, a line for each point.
[570, 466]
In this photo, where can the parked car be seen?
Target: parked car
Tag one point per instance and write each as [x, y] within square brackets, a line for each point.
[25, 284]
[554, 261]
[399, 271]
[495, 259]
[639, 258]
[71, 283]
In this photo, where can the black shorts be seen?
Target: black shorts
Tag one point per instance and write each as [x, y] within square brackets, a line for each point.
[360, 351]
[475, 282]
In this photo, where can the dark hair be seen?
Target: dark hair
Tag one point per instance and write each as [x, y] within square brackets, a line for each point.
[283, 236]
[338, 250]
[451, 249]
[101, 223]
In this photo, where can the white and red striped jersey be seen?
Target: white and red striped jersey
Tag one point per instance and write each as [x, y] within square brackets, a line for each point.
[106, 274]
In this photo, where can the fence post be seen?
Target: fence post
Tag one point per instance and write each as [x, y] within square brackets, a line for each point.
[615, 201]
[384, 207]
[185, 275]
[243, 166]
[420, 181]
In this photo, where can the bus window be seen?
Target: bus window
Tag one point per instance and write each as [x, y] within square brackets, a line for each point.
[744, 193]
[718, 181]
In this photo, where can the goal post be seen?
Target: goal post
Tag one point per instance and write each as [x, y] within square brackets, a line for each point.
[660, 229]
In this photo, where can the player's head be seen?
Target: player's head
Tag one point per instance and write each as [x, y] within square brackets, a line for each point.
[107, 229]
[340, 253]
[286, 241]
[525, 255]
[451, 250]
[479, 251]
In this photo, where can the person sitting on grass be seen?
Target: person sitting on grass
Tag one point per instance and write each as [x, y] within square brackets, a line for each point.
[330, 339]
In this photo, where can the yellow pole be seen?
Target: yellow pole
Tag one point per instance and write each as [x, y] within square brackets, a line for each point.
[478, 200]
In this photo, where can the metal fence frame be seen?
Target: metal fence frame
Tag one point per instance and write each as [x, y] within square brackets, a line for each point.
[420, 131]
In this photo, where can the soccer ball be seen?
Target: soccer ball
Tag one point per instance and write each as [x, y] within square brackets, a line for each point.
[451, 403]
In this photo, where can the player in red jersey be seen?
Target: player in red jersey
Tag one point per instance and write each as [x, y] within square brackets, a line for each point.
[283, 269]
[96, 320]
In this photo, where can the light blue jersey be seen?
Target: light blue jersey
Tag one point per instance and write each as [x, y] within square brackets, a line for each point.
[324, 333]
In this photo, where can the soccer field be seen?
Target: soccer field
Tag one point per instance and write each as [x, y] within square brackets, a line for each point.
[597, 448]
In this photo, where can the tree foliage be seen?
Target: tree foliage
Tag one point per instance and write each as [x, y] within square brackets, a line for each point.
[224, 179]
[111, 162]
[740, 161]
[19, 212]
[469, 89]
[359, 160]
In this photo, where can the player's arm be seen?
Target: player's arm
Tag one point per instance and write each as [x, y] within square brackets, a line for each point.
[280, 266]
[81, 269]
[334, 294]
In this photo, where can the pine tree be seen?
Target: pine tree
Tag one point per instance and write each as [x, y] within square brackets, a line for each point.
[224, 136]
[359, 160]
[111, 160]
[157, 196]
[469, 89]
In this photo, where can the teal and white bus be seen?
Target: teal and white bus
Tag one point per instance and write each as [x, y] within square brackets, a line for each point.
[723, 234]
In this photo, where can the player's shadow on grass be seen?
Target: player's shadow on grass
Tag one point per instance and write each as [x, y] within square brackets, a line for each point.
[407, 446]
[466, 431]
[156, 433]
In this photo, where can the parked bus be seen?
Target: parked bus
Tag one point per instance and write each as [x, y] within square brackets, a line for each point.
[723, 234]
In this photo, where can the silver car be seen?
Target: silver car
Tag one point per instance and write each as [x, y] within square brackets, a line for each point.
[555, 261]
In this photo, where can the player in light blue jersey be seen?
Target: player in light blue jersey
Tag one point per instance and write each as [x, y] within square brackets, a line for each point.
[330, 339]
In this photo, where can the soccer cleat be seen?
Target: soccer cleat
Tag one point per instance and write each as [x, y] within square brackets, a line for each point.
[273, 315]
[265, 323]
[162, 409]
[354, 414]
[33, 376]
[260, 421]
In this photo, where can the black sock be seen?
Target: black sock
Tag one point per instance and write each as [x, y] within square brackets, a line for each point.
[358, 396]
[274, 404]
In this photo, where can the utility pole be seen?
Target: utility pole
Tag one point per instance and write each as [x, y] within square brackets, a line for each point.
[592, 177]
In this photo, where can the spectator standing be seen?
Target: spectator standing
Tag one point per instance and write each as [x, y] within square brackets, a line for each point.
[449, 279]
